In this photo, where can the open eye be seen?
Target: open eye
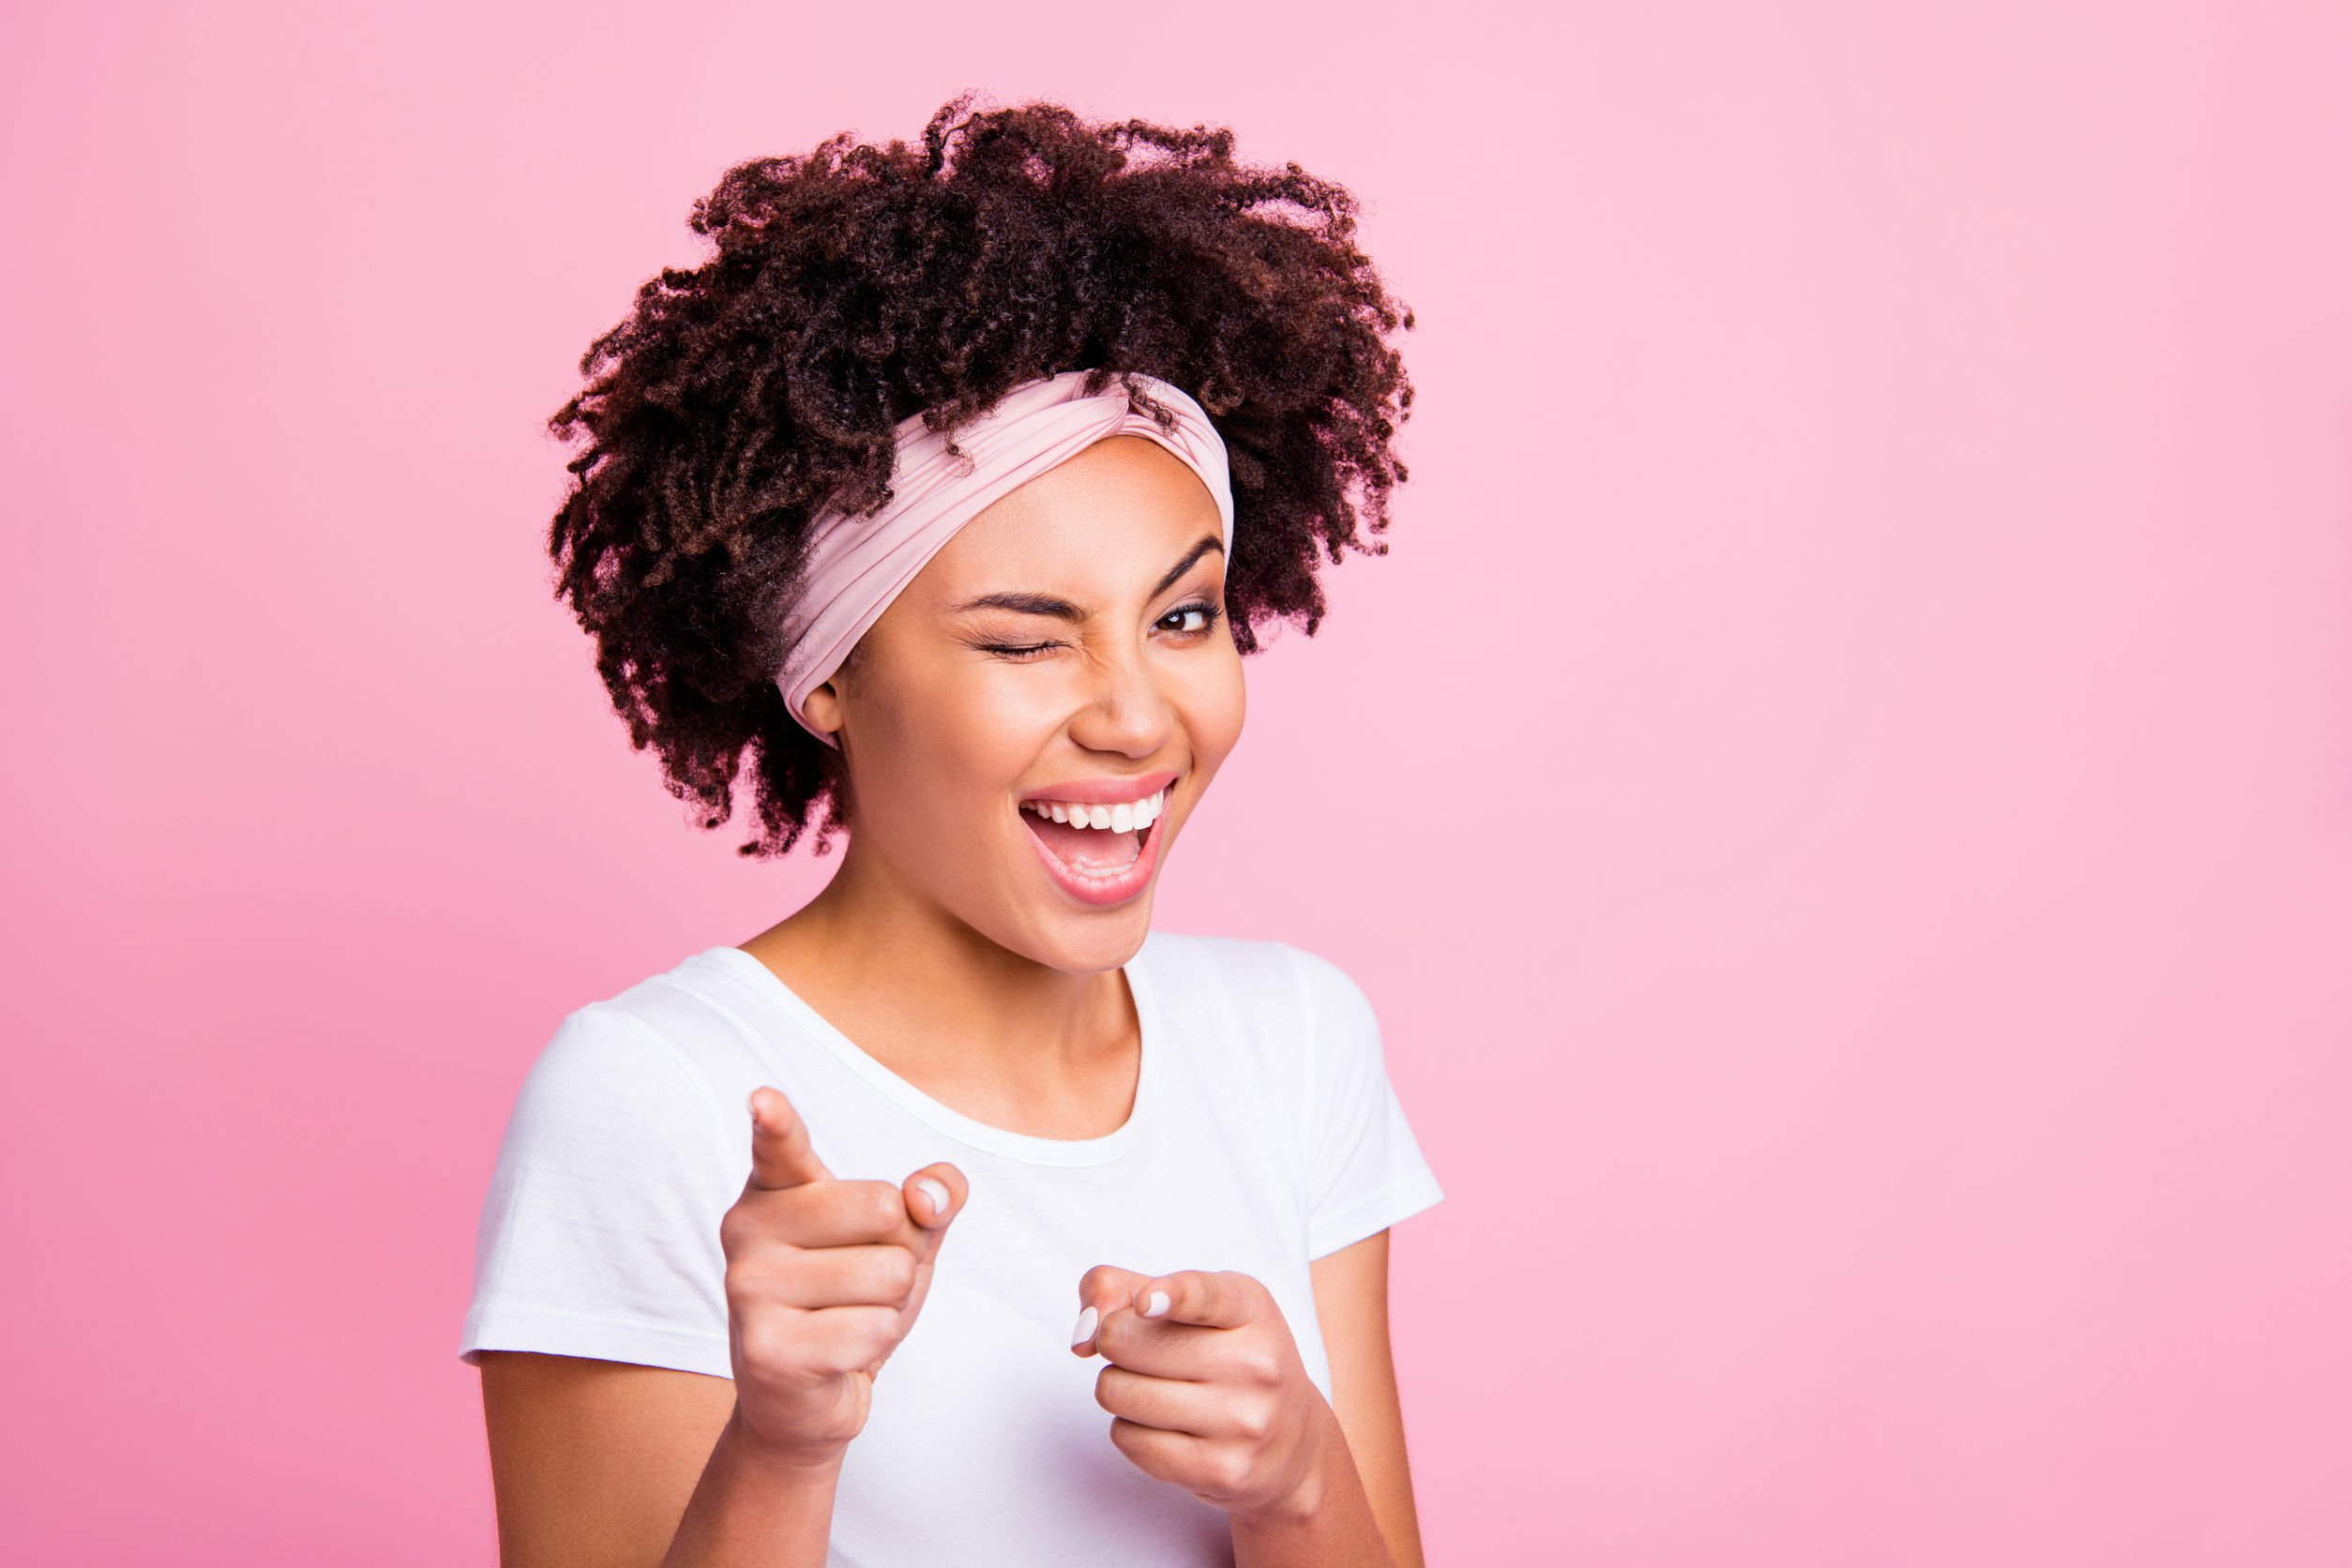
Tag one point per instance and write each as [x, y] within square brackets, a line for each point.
[1193, 619]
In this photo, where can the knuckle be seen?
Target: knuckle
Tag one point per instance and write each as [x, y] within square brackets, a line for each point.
[855, 1341]
[764, 1343]
[897, 1269]
[1112, 1387]
[885, 1206]
[743, 1294]
[748, 1283]
[881, 1331]
[1229, 1469]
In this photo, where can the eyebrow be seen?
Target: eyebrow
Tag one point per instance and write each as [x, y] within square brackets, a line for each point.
[1063, 609]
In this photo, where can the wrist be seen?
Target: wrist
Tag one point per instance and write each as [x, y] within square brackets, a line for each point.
[782, 1456]
[1326, 1447]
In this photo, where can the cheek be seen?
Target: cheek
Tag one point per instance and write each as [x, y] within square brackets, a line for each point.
[1005, 712]
[937, 741]
[1213, 701]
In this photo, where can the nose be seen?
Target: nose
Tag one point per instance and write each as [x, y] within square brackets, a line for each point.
[1124, 711]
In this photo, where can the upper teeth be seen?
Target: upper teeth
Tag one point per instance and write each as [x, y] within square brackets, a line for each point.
[1126, 816]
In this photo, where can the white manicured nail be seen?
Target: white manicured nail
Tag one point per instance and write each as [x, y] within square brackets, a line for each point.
[1156, 1303]
[938, 1192]
[1085, 1329]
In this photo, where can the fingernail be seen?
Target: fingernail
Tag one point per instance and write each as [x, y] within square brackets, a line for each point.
[938, 1192]
[1085, 1329]
[1156, 1303]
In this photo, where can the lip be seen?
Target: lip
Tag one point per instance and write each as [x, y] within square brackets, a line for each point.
[1106, 791]
[1104, 892]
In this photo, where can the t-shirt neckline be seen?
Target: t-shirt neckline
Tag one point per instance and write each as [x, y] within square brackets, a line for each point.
[1011, 1145]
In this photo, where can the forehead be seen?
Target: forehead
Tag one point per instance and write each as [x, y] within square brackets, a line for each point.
[1124, 508]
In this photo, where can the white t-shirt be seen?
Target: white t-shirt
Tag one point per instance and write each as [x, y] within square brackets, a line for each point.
[1265, 1132]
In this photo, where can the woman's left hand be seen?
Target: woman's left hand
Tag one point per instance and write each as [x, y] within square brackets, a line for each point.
[1209, 1394]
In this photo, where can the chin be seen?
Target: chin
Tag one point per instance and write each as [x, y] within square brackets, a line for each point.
[1088, 944]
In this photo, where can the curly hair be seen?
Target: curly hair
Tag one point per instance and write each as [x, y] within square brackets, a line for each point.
[860, 285]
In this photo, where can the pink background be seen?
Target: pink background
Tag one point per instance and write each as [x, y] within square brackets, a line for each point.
[1842, 793]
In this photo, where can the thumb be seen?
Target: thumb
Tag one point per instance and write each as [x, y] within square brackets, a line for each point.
[1103, 1290]
[934, 1197]
[781, 1154]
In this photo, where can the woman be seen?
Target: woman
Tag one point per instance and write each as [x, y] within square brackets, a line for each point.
[951, 490]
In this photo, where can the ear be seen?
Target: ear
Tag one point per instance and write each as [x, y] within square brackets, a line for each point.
[822, 707]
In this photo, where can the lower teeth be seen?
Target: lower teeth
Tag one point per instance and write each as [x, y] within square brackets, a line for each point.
[1114, 871]
[1085, 869]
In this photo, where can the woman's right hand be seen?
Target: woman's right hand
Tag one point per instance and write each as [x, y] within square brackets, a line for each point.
[824, 1278]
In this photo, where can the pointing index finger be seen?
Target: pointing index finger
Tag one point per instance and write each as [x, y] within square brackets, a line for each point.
[781, 1154]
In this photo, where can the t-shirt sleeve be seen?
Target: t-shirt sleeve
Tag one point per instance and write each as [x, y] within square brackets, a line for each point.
[1365, 1167]
[599, 1236]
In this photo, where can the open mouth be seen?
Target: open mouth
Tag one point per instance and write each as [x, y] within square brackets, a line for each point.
[1096, 841]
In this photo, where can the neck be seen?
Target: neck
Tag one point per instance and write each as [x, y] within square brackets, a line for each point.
[911, 982]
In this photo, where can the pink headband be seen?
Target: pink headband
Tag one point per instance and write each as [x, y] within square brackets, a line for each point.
[856, 566]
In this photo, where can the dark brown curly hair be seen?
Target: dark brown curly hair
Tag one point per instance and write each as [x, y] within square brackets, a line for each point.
[859, 285]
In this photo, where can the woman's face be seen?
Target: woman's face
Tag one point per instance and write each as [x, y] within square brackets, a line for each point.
[1065, 648]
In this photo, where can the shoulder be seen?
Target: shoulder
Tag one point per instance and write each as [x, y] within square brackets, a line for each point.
[598, 1237]
[604, 1078]
[1262, 970]
[696, 1009]
[1288, 1003]
[646, 1057]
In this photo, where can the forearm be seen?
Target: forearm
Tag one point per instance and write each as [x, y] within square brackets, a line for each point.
[754, 1506]
[1328, 1522]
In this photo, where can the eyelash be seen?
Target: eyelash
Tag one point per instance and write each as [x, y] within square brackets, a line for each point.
[1210, 614]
